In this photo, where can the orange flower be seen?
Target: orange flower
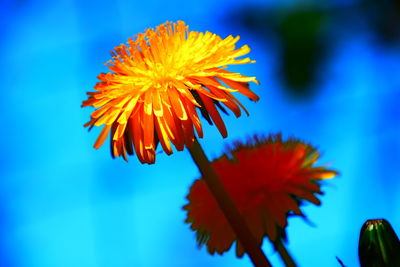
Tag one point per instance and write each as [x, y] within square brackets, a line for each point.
[157, 81]
[267, 179]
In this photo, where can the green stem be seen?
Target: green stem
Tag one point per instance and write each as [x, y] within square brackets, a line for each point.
[287, 259]
[225, 203]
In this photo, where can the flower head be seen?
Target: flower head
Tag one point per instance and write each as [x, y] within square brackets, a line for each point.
[267, 179]
[157, 81]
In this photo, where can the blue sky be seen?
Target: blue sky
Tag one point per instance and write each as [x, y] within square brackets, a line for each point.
[63, 203]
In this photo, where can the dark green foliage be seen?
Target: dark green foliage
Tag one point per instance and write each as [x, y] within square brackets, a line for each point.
[301, 34]
[379, 245]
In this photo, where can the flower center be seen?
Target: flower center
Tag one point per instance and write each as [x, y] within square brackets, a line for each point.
[160, 75]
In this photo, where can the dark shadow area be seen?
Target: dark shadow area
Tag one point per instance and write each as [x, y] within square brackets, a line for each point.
[383, 17]
[299, 35]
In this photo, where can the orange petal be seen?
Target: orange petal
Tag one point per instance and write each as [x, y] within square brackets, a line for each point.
[99, 112]
[176, 104]
[170, 125]
[194, 118]
[157, 104]
[206, 81]
[187, 127]
[216, 117]
[243, 88]
[102, 137]
[148, 131]
[163, 135]
[136, 131]
[127, 110]
[228, 102]
[185, 91]
[109, 117]
[238, 102]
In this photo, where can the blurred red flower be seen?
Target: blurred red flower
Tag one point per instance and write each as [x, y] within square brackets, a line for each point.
[268, 179]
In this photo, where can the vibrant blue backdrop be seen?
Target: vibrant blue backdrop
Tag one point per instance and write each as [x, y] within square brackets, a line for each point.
[62, 203]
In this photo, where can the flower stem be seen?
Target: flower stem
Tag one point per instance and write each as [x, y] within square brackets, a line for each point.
[287, 259]
[225, 203]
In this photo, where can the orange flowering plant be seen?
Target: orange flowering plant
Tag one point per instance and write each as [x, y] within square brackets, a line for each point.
[155, 86]
[151, 94]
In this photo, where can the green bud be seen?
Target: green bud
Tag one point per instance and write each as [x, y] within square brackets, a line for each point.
[379, 245]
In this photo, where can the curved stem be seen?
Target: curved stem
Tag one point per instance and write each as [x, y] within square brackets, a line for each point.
[225, 203]
[287, 259]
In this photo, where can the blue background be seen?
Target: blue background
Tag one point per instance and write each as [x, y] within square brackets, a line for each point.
[62, 203]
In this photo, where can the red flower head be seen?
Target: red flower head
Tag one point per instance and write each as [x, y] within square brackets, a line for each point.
[267, 179]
